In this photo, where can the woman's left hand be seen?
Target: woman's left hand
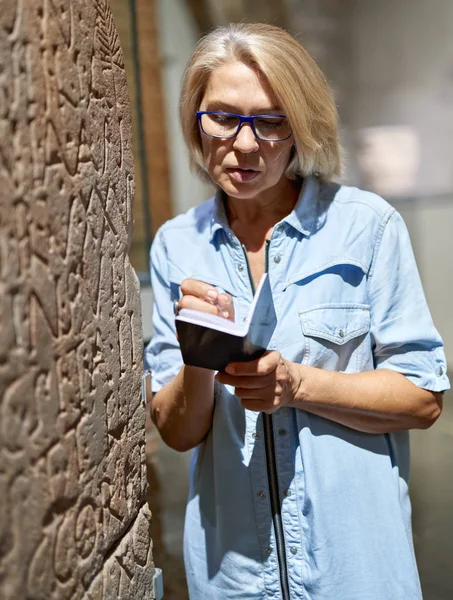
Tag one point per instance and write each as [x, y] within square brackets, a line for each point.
[265, 384]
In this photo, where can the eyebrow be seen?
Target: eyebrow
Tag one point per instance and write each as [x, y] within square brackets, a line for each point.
[214, 105]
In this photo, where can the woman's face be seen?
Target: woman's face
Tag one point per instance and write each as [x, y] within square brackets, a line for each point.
[244, 166]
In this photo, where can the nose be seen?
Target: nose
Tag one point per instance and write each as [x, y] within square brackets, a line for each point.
[245, 140]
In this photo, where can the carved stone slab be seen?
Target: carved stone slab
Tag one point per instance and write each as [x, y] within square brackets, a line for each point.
[72, 461]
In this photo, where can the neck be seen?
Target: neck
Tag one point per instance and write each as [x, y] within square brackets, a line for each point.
[252, 220]
[269, 208]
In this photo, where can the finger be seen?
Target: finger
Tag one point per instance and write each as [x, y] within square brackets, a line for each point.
[208, 293]
[199, 289]
[261, 366]
[264, 394]
[225, 302]
[258, 406]
[194, 303]
[251, 383]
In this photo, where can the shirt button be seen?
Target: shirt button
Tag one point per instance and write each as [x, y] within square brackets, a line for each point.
[341, 333]
[277, 259]
[255, 435]
[440, 370]
[269, 550]
[241, 267]
[293, 551]
[244, 320]
[287, 493]
[282, 432]
[280, 228]
[261, 495]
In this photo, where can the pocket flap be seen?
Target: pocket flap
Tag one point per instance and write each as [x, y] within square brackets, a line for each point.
[335, 265]
[337, 323]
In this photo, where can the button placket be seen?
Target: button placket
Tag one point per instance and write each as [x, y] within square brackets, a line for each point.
[290, 507]
[244, 295]
[259, 481]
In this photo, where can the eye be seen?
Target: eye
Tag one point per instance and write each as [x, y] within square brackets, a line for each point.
[223, 119]
[271, 122]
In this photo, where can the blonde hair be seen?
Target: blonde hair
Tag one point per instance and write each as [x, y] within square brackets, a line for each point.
[293, 76]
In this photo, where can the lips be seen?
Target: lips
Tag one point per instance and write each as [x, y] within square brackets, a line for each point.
[242, 174]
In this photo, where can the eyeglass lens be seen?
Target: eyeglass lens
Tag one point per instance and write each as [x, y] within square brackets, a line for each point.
[225, 125]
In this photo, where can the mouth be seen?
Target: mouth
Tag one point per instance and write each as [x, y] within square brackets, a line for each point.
[242, 174]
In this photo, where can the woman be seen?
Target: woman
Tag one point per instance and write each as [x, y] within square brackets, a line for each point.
[299, 476]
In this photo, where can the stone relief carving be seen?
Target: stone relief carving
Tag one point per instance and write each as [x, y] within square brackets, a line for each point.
[73, 522]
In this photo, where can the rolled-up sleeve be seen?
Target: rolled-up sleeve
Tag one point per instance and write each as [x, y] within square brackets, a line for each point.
[162, 354]
[402, 331]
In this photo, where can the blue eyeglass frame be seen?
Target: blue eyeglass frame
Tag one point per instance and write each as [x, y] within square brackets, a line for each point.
[242, 119]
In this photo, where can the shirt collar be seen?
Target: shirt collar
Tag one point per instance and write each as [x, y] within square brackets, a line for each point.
[301, 217]
[219, 218]
[303, 214]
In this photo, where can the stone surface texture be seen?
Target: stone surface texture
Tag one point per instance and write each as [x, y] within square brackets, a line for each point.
[73, 520]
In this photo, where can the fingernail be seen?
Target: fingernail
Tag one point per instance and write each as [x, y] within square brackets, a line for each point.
[225, 314]
[224, 298]
[212, 294]
[230, 370]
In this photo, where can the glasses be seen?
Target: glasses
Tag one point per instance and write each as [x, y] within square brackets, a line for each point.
[268, 128]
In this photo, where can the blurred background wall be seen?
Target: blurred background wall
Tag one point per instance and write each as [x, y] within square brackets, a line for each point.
[391, 66]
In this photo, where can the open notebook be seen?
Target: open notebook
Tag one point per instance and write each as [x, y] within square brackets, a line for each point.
[211, 342]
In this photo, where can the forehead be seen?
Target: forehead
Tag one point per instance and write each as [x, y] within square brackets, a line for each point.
[240, 87]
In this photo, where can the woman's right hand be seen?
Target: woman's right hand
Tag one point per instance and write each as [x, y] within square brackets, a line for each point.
[183, 409]
[202, 296]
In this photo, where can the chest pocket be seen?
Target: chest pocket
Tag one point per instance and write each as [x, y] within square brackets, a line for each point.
[337, 336]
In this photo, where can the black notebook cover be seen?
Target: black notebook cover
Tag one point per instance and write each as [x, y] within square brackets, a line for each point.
[212, 342]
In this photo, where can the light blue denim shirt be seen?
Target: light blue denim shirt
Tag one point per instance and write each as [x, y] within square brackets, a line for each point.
[348, 297]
